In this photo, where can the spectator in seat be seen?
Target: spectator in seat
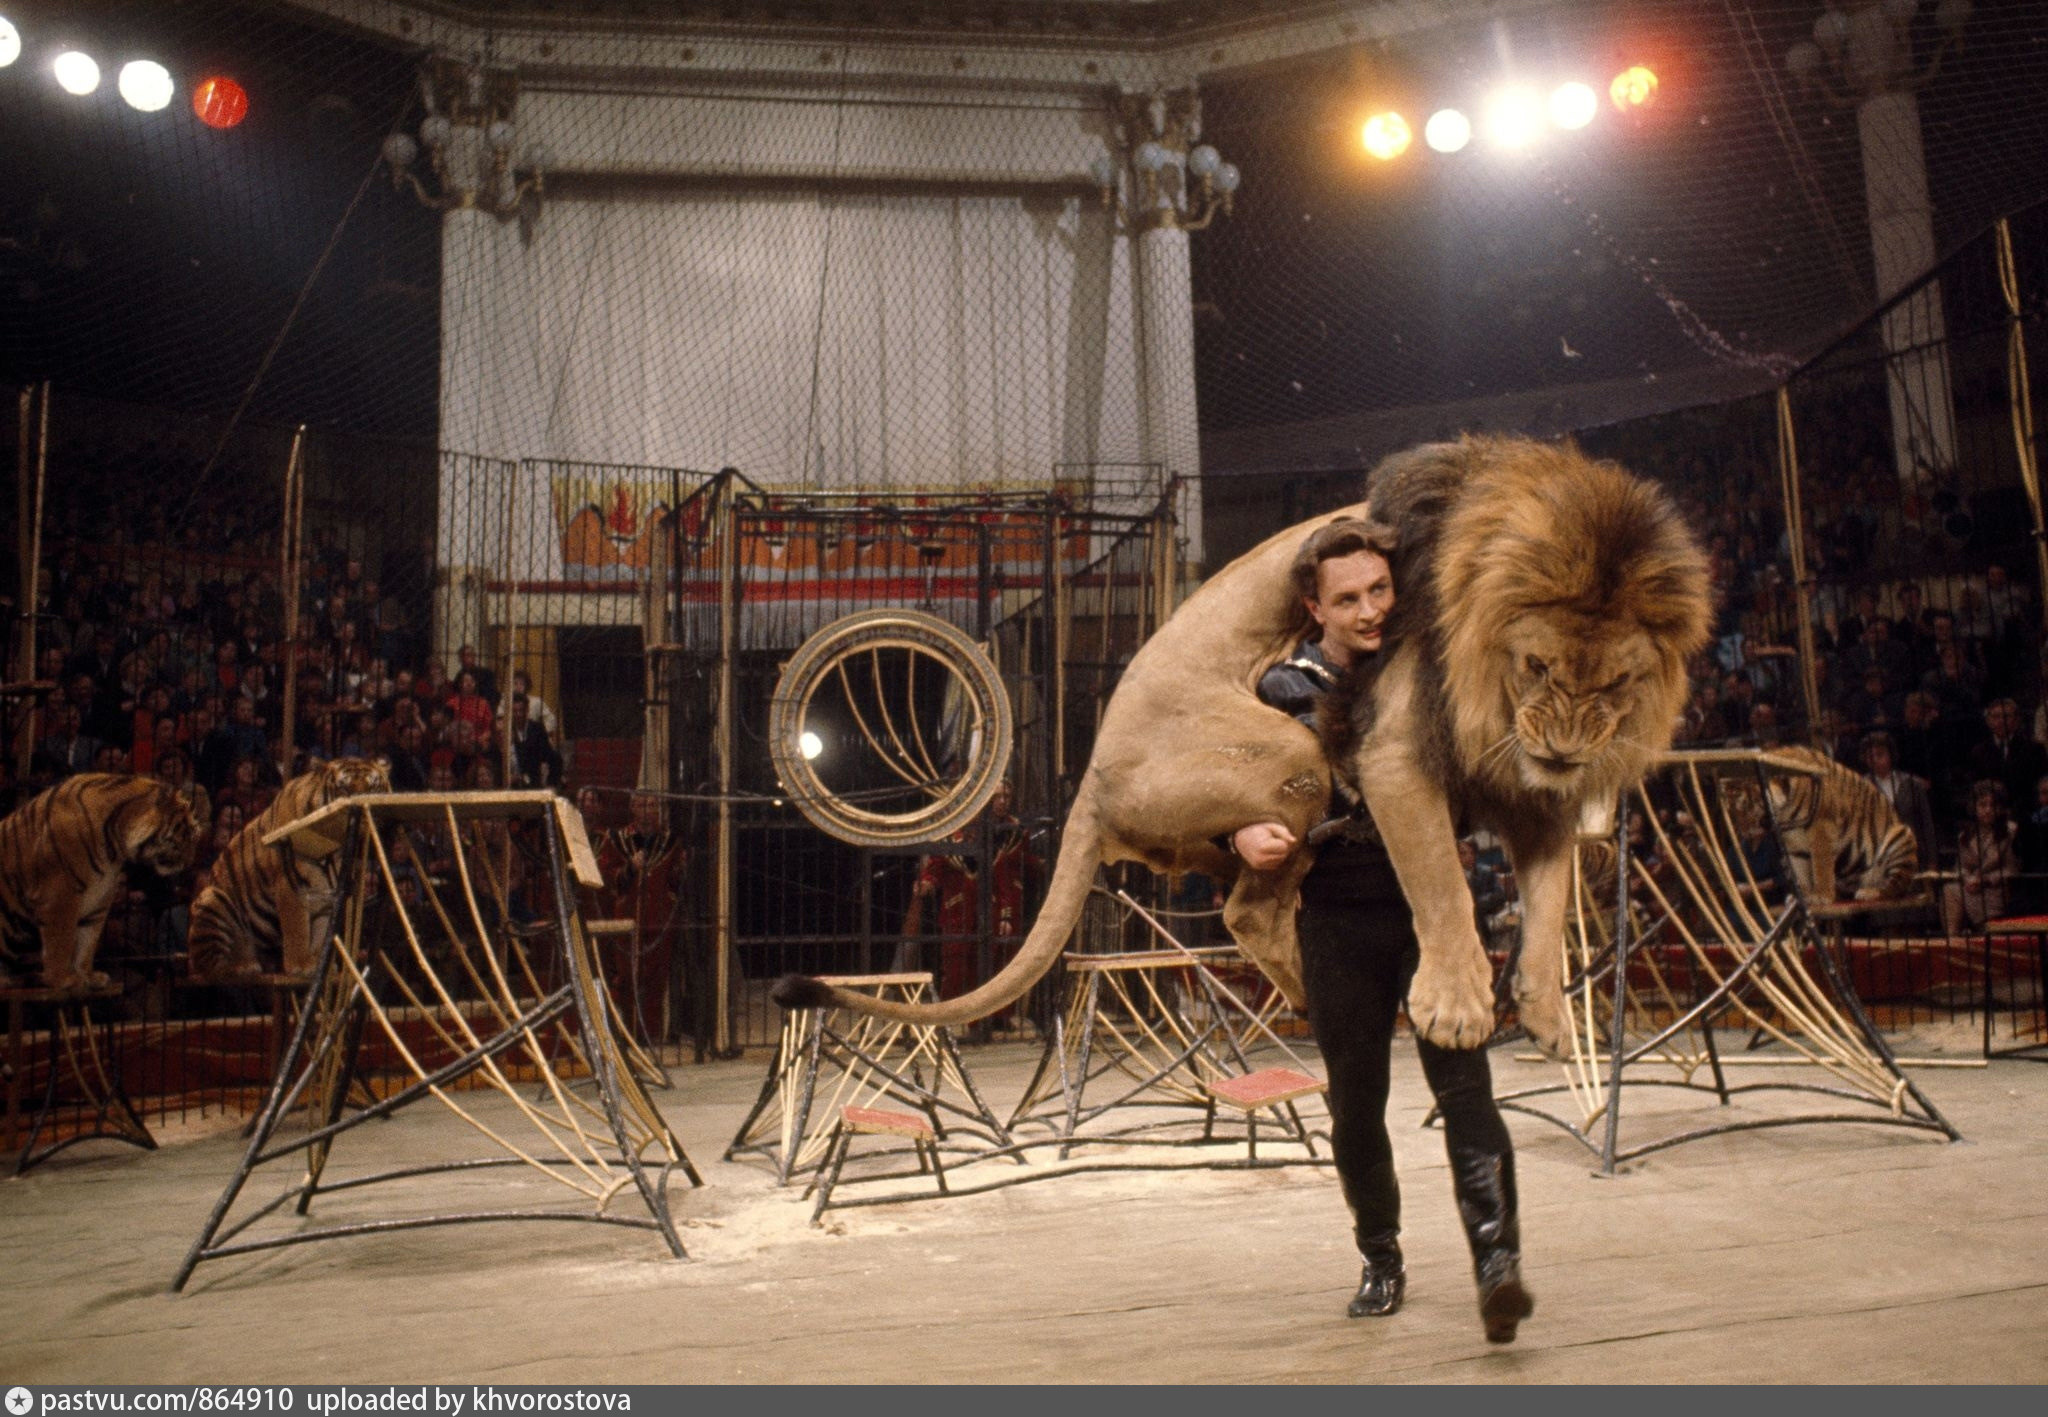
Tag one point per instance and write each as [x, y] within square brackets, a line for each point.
[245, 788]
[538, 763]
[1906, 793]
[246, 737]
[1958, 684]
[1986, 863]
[174, 770]
[486, 681]
[409, 766]
[2032, 846]
[2008, 757]
[471, 706]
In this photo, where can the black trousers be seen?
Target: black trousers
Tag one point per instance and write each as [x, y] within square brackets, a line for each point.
[1358, 952]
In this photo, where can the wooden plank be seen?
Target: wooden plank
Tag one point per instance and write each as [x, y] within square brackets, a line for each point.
[324, 829]
[876, 1121]
[582, 860]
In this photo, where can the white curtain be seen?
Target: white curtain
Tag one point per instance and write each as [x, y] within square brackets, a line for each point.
[806, 339]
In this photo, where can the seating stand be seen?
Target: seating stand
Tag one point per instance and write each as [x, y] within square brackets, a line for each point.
[81, 1050]
[875, 1121]
[597, 1155]
[1637, 1022]
[831, 1059]
[1254, 1092]
[1160, 1022]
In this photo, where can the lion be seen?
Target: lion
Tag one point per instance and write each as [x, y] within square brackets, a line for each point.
[1534, 661]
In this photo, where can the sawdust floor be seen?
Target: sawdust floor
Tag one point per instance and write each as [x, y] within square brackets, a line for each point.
[1836, 1253]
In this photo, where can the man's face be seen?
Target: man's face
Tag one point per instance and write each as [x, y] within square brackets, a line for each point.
[1468, 855]
[2000, 717]
[1353, 595]
[1880, 759]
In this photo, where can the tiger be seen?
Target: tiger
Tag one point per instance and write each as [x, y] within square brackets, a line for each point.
[1835, 818]
[62, 856]
[261, 898]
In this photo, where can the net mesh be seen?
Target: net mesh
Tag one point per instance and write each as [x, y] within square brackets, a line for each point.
[862, 257]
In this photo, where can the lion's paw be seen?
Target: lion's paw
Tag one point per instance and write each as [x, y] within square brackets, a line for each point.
[1452, 1005]
[1546, 1020]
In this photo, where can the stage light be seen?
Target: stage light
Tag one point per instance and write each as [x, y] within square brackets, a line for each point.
[1387, 136]
[1514, 117]
[1573, 105]
[220, 102]
[1447, 130]
[76, 73]
[146, 85]
[1633, 87]
[10, 42]
[810, 745]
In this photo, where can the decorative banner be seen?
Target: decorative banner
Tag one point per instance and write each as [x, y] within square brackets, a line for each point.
[609, 525]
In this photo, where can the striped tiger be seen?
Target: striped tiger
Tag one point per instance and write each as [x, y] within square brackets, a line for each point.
[1837, 821]
[261, 897]
[62, 855]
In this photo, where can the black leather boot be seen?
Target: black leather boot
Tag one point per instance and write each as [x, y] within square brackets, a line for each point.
[1485, 1185]
[1385, 1281]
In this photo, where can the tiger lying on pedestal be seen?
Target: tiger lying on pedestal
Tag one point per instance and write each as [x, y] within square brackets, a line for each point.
[268, 897]
[1836, 821]
[61, 859]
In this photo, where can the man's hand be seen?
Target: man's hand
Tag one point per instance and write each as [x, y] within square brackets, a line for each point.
[1263, 845]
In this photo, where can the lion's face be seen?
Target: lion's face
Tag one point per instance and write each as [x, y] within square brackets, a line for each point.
[1568, 595]
[1575, 690]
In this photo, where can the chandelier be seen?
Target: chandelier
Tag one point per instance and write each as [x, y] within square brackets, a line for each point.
[1178, 182]
[471, 140]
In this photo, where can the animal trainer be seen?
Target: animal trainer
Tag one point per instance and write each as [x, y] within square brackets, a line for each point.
[1499, 634]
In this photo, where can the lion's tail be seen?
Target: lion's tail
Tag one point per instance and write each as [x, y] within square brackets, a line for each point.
[1073, 876]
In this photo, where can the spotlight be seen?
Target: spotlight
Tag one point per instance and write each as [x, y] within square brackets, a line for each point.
[810, 745]
[146, 85]
[1634, 87]
[76, 73]
[1387, 136]
[1573, 105]
[10, 42]
[1514, 117]
[220, 102]
[1447, 130]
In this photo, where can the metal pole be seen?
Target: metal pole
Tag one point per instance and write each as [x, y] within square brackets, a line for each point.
[511, 631]
[32, 486]
[2020, 392]
[728, 577]
[290, 571]
[1802, 586]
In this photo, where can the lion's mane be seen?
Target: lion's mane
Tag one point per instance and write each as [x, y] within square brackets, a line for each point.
[1488, 531]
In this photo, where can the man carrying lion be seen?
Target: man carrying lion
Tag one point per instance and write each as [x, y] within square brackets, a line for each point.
[1358, 951]
[1533, 664]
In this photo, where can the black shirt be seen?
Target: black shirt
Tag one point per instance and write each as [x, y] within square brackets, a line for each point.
[1351, 867]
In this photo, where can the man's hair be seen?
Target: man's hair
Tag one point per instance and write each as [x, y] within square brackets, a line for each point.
[1879, 739]
[1347, 536]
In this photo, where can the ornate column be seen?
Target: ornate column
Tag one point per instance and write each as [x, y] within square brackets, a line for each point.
[1866, 48]
[472, 177]
[1176, 185]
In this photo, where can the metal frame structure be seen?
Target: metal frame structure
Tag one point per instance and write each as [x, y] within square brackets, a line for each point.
[2008, 932]
[1769, 975]
[364, 979]
[1171, 1028]
[861, 1060]
[81, 1049]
